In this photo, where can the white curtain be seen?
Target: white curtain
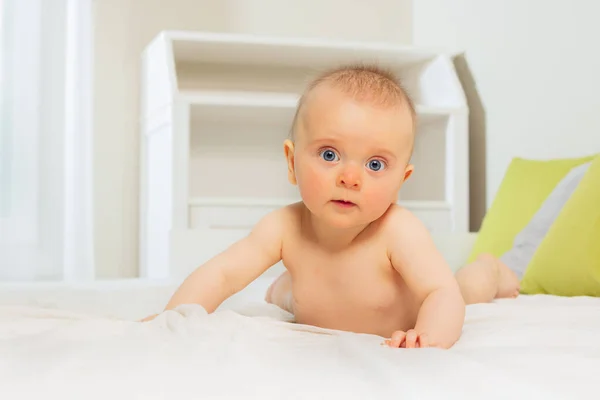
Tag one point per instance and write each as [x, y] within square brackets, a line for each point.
[46, 221]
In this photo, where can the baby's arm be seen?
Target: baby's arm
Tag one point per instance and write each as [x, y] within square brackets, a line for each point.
[230, 271]
[414, 255]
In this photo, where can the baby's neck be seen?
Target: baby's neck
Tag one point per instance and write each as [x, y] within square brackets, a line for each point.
[329, 237]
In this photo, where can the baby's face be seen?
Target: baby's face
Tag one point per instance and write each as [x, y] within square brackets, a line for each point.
[351, 157]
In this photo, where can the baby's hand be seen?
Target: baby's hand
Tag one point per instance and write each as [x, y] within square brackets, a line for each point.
[410, 339]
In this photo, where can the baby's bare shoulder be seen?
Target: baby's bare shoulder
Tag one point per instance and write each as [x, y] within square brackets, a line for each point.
[398, 222]
[292, 214]
[272, 229]
[402, 231]
[282, 220]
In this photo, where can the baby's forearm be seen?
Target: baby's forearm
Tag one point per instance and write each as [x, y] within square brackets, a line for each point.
[441, 317]
[205, 286]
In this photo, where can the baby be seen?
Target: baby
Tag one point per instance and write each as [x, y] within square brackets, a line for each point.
[355, 260]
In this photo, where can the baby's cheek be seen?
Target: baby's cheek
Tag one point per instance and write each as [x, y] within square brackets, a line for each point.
[380, 197]
[313, 184]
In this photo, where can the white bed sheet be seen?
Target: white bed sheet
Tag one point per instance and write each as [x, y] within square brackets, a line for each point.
[124, 299]
[532, 347]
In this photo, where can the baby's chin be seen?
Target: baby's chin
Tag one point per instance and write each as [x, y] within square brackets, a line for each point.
[352, 220]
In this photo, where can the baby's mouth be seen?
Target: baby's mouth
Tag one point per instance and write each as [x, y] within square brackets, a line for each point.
[344, 203]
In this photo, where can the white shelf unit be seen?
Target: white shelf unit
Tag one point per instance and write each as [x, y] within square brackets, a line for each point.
[215, 109]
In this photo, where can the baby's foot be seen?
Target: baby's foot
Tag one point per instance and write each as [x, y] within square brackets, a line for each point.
[508, 282]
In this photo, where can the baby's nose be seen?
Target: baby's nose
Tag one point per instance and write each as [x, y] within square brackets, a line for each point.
[349, 178]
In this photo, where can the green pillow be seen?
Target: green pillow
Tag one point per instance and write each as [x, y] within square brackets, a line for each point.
[524, 188]
[567, 261]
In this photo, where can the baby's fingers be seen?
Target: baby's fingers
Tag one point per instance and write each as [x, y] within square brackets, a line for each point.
[411, 339]
[423, 340]
[397, 339]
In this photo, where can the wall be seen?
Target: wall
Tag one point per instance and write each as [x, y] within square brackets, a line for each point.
[124, 27]
[531, 73]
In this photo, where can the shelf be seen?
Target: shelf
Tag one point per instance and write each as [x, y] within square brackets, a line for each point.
[246, 107]
[242, 49]
[273, 107]
[240, 99]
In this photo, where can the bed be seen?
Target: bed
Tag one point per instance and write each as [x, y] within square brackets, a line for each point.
[81, 340]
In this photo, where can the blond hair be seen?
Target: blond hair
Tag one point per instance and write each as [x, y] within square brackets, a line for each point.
[369, 83]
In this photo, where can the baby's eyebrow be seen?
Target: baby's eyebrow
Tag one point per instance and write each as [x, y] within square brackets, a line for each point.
[384, 153]
[326, 140]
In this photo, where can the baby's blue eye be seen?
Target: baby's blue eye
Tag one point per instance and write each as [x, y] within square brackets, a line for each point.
[329, 155]
[376, 165]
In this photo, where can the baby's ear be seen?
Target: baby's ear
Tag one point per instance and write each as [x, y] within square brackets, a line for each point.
[288, 149]
[408, 171]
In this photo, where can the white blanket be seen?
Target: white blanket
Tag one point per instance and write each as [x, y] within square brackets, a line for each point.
[533, 347]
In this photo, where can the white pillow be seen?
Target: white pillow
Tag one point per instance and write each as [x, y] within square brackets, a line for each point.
[528, 240]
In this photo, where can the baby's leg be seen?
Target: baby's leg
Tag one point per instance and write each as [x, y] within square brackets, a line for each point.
[280, 292]
[485, 279]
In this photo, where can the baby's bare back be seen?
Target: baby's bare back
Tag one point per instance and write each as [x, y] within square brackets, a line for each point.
[355, 289]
